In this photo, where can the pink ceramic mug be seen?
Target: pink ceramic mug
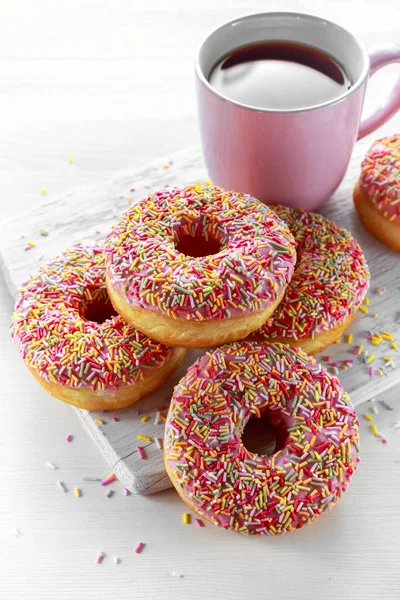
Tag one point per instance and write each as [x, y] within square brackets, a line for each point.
[296, 157]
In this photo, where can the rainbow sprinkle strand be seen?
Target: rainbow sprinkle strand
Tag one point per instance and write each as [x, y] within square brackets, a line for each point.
[235, 488]
[254, 263]
[380, 176]
[56, 340]
[329, 283]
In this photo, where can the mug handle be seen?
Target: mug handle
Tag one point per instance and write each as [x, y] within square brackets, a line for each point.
[380, 56]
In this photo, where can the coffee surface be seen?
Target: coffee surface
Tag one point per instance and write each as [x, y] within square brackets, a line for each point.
[279, 75]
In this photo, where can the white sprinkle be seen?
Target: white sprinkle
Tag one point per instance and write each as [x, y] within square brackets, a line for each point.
[396, 425]
[157, 419]
[158, 443]
[110, 493]
[176, 574]
[52, 466]
[374, 409]
[117, 560]
[87, 478]
[16, 532]
[385, 405]
[62, 486]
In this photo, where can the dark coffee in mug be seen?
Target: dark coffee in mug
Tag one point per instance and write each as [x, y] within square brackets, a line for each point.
[279, 75]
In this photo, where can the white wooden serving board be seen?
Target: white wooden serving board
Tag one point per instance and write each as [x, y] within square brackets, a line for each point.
[86, 215]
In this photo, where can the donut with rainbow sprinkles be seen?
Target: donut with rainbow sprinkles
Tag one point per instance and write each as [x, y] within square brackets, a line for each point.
[75, 345]
[377, 191]
[198, 266]
[222, 481]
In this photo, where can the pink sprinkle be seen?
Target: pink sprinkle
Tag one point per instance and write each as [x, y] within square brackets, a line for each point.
[384, 441]
[28, 248]
[127, 492]
[141, 453]
[132, 190]
[199, 523]
[107, 481]
[171, 162]
[69, 438]
[139, 547]
[350, 361]
[115, 419]
[370, 371]
[100, 558]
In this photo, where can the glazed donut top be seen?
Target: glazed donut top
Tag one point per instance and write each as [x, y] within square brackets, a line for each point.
[380, 176]
[52, 328]
[253, 264]
[330, 280]
[236, 488]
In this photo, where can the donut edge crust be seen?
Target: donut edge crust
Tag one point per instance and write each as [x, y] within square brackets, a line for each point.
[384, 230]
[189, 334]
[311, 345]
[121, 397]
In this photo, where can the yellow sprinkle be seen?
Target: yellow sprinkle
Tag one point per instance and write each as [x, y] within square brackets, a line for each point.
[44, 191]
[360, 349]
[186, 518]
[208, 181]
[144, 419]
[100, 421]
[111, 475]
[387, 336]
[31, 244]
[144, 438]
[349, 338]
[370, 358]
[364, 310]
[70, 159]
[366, 301]
[166, 166]
[395, 346]
[380, 372]
[374, 430]
[375, 316]
[368, 417]
[387, 358]
[77, 492]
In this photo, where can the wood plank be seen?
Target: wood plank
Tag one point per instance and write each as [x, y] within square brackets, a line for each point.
[86, 215]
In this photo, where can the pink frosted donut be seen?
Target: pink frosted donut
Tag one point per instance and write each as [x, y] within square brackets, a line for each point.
[377, 191]
[198, 266]
[75, 345]
[317, 432]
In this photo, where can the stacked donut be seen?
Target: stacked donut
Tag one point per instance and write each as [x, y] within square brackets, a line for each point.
[197, 267]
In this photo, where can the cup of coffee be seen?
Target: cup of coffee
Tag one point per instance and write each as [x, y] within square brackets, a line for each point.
[280, 97]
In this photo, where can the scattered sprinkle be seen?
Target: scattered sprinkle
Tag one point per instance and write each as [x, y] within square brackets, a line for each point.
[100, 421]
[78, 492]
[144, 418]
[89, 478]
[375, 315]
[50, 465]
[110, 493]
[199, 523]
[117, 560]
[368, 417]
[380, 291]
[62, 486]
[127, 492]
[69, 438]
[70, 159]
[396, 425]
[139, 547]
[43, 191]
[158, 443]
[132, 190]
[385, 405]
[387, 336]
[374, 430]
[364, 310]
[144, 438]
[176, 574]
[366, 301]
[141, 453]
[116, 419]
[374, 409]
[109, 480]
[349, 338]
[370, 358]
[166, 166]
[370, 371]
[186, 518]
[100, 557]
[395, 346]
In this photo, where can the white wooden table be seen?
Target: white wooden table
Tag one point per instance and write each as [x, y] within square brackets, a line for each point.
[110, 83]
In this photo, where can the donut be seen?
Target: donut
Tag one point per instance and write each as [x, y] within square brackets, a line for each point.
[377, 191]
[329, 283]
[74, 344]
[223, 482]
[198, 266]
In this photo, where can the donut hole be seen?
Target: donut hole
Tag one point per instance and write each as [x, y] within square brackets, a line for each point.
[264, 435]
[197, 246]
[96, 306]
